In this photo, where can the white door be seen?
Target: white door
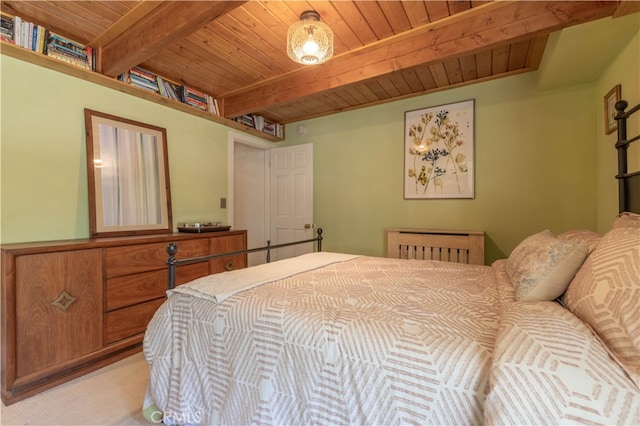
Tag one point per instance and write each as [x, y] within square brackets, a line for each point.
[291, 210]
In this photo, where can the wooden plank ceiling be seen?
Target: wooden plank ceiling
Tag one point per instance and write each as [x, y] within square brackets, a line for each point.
[384, 50]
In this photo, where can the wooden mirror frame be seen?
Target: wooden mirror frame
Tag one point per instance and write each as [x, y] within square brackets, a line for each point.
[128, 177]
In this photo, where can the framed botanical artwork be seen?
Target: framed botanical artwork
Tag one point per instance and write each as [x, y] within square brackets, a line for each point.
[128, 176]
[614, 95]
[439, 151]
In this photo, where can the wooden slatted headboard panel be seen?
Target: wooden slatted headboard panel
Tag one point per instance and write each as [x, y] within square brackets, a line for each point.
[435, 244]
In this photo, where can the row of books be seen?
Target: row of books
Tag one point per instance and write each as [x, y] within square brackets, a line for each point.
[258, 122]
[37, 38]
[147, 80]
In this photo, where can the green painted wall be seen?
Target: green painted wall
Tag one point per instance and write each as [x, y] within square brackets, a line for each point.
[43, 164]
[535, 158]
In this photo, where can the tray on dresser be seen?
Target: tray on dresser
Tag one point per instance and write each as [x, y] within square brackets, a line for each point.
[202, 227]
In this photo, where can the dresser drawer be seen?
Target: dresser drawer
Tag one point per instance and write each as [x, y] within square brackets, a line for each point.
[133, 289]
[227, 244]
[133, 259]
[130, 321]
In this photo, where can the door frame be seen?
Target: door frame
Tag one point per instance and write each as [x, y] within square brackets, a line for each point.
[236, 137]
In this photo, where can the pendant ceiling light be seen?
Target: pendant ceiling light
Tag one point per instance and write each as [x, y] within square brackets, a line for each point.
[310, 41]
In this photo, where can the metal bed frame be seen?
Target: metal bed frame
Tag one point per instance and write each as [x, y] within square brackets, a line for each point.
[628, 182]
[173, 263]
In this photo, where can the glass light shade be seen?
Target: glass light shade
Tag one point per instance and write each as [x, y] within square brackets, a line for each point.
[310, 41]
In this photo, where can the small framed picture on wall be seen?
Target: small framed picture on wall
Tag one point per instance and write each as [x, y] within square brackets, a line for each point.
[614, 95]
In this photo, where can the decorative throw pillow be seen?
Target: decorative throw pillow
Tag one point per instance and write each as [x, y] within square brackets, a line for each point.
[542, 266]
[605, 293]
[586, 235]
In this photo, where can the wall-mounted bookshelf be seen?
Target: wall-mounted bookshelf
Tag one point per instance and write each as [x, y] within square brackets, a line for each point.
[54, 64]
[258, 122]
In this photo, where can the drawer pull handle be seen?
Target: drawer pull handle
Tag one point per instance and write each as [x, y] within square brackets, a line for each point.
[63, 301]
[229, 266]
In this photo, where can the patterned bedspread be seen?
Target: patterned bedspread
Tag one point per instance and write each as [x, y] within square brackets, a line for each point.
[364, 341]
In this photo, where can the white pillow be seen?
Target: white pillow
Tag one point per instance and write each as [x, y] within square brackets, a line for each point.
[542, 266]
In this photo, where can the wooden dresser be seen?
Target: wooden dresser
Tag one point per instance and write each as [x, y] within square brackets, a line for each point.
[70, 307]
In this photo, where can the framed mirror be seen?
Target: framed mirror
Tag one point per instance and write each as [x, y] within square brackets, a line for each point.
[128, 176]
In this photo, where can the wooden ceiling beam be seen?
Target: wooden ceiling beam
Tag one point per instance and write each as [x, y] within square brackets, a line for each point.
[491, 24]
[627, 7]
[151, 27]
[121, 25]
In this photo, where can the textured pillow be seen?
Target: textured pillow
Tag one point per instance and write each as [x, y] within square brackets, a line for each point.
[627, 220]
[605, 293]
[589, 237]
[542, 266]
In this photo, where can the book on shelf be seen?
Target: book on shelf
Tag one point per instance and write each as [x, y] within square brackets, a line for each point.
[212, 104]
[168, 89]
[6, 28]
[193, 97]
[91, 54]
[162, 89]
[258, 122]
[143, 73]
[144, 79]
[142, 83]
[246, 120]
[272, 128]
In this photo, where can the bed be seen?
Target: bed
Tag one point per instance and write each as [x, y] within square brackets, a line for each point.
[550, 335]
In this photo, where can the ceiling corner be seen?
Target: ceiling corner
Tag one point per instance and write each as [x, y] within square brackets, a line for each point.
[580, 54]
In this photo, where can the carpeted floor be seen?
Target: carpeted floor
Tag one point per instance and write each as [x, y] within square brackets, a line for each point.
[112, 395]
